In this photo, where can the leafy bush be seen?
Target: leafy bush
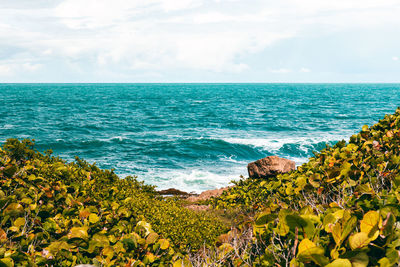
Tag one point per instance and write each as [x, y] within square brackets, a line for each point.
[339, 209]
[58, 213]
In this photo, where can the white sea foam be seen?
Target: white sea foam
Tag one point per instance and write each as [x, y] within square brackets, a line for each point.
[276, 143]
[7, 126]
[193, 180]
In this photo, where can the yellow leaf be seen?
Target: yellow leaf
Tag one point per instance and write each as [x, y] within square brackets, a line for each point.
[19, 222]
[164, 243]
[340, 263]
[108, 252]
[305, 244]
[3, 235]
[358, 240]
[14, 228]
[369, 224]
[78, 232]
[84, 214]
[151, 238]
[150, 257]
[93, 218]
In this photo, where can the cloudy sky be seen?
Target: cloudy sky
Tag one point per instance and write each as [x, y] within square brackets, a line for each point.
[199, 41]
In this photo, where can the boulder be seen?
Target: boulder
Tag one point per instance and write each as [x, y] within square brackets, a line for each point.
[173, 192]
[269, 167]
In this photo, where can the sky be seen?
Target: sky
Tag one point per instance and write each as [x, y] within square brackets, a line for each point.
[199, 41]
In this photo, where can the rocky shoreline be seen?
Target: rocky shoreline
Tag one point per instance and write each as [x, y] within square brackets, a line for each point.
[264, 168]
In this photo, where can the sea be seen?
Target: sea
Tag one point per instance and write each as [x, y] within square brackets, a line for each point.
[191, 137]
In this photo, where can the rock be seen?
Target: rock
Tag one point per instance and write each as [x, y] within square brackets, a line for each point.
[208, 194]
[269, 167]
[173, 191]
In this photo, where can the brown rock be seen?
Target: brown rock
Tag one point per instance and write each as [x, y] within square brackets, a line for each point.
[269, 167]
[173, 191]
[208, 194]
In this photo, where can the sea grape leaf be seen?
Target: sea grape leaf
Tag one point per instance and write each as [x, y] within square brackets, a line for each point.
[305, 244]
[143, 226]
[294, 220]
[264, 218]
[340, 263]
[14, 209]
[78, 232]
[369, 224]
[93, 218]
[164, 243]
[388, 224]
[315, 254]
[7, 262]
[151, 238]
[57, 246]
[328, 221]
[384, 262]
[358, 240]
[360, 260]
[348, 226]
[3, 235]
[19, 222]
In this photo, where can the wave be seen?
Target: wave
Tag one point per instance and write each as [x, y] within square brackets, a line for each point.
[294, 148]
[192, 180]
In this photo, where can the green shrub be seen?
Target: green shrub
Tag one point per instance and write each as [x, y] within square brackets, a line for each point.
[341, 208]
[58, 213]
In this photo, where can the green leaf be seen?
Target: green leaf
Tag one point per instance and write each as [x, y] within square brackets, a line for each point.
[340, 263]
[164, 243]
[369, 224]
[78, 232]
[294, 220]
[305, 244]
[6, 262]
[359, 240]
[143, 226]
[348, 227]
[19, 222]
[14, 209]
[57, 246]
[360, 260]
[365, 128]
[151, 238]
[315, 254]
[388, 224]
[93, 218]
[384, 262]
[264, 218]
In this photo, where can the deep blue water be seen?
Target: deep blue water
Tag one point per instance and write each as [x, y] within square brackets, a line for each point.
[189, 136]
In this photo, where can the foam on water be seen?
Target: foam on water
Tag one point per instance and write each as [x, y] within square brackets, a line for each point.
[194, 180]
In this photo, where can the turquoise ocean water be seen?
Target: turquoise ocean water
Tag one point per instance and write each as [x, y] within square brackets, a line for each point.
[189, 136]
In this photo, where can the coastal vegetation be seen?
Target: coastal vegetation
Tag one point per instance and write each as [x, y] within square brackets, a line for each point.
[58, 213]
[341, 208]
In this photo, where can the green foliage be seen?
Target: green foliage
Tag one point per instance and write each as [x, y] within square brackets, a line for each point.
[341, 208]
[58, 213]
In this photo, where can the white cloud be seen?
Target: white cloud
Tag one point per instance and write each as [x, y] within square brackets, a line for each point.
[280, 71]
[5, 70]
[160, 36]
[31, 67]
[305, 70]
[395, 58]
